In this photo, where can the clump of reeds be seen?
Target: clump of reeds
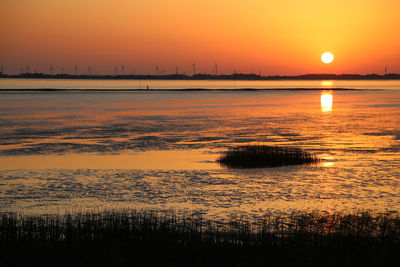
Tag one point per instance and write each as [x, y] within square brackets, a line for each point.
[258, 156]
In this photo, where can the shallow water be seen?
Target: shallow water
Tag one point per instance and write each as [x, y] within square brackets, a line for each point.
[68, 151]
[193, 84]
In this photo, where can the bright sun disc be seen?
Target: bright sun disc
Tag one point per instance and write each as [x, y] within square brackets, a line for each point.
[327, 57]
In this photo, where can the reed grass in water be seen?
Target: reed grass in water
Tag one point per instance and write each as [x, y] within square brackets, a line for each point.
[258, 156]
[143, 239]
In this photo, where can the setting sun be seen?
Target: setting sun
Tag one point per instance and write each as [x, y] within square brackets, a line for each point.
[327, 57]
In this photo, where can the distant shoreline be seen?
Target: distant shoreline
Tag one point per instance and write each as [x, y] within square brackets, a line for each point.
[242, 77]
[183, 90]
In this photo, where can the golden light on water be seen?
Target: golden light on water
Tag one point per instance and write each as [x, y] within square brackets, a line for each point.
[328, 164]
[327, 83]
[326, 102]
[164, 160]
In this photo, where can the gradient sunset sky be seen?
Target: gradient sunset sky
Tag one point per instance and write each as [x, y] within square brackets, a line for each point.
[274, 37]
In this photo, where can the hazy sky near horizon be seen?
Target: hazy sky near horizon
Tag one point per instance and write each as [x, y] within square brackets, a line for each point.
[274, 37]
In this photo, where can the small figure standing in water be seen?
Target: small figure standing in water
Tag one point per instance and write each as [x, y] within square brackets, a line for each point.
[147, 87]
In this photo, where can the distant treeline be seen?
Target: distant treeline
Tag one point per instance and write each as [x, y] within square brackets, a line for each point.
[237, 76]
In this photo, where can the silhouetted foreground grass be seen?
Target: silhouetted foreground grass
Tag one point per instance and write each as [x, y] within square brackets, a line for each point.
[144, 239]
[265, 156]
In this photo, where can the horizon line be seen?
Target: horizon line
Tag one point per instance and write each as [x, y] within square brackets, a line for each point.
[205, 76]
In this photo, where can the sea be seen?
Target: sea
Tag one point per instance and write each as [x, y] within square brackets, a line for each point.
[91, 145]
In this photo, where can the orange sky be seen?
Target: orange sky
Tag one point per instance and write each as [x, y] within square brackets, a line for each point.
[276, 37]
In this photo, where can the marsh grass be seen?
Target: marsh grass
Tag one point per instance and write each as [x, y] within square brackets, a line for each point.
[258, 156]
[150, 238]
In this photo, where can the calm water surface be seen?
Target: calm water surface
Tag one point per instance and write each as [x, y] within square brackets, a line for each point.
[195, 84]
[71, 151]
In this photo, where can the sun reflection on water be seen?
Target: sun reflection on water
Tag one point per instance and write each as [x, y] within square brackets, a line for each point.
[327, 83]
[326, 101]
[328, 164]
